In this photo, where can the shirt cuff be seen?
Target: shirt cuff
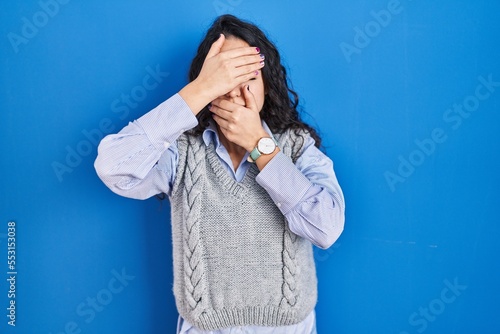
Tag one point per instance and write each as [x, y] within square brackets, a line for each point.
[165, 123]
[284, 182]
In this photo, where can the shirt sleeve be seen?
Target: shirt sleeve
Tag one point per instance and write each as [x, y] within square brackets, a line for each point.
[140, 161]
[307, 193]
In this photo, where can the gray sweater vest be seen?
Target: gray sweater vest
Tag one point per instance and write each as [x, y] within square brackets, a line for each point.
[236, 262]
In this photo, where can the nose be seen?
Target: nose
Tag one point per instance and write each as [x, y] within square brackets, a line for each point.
[236, 96]
[234, 93]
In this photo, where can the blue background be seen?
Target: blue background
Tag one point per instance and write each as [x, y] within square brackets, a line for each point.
[404, 244]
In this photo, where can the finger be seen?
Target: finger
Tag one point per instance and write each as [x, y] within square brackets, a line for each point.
[248, 60]
[225, 103]
[216, 46]
[218, 101]
[244, 77]
[224, 124]
[249, 98]
[219, 111]
[243, 51]
[248, 69]
[227, 108]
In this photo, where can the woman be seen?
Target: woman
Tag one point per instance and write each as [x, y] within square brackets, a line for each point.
[249, 188]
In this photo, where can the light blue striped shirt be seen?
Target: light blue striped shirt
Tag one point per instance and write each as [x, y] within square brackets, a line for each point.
[140, 161]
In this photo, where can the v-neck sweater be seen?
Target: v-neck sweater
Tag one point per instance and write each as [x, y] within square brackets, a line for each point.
[236, 262]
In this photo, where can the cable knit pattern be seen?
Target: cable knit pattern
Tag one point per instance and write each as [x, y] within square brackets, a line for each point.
[290, 147]
[193, 266]
[289, 268]
[253, 272]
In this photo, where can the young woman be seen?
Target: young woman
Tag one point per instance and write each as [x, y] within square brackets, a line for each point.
[250, 191]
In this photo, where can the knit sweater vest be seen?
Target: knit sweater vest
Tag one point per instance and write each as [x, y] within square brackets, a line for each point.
[236, 262]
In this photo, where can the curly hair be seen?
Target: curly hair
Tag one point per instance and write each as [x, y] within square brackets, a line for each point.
[280, 104]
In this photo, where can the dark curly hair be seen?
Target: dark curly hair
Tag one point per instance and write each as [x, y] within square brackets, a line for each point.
[280, 104]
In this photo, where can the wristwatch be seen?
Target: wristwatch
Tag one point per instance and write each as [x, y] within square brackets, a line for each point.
[265, 146]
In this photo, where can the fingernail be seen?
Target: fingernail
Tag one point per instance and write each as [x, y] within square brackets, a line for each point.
[262, 63]
[209, 106]
[256, 72]
[258, 50]
[262, 56]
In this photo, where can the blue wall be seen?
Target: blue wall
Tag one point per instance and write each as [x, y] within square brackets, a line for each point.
[407, 98]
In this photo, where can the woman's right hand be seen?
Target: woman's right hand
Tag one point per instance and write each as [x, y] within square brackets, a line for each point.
[221, 72]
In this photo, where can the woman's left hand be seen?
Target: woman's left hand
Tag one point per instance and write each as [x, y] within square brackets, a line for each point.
[239, 124]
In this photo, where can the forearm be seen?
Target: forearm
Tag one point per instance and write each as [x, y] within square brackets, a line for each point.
[196, 97]
[313, 211]
[137, 157]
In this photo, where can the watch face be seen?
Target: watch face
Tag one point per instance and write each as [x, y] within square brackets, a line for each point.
[266, 146]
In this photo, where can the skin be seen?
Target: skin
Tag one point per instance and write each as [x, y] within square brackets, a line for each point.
[231, 80]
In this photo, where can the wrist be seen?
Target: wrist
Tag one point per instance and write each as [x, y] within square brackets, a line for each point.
[195, 96]
[255, 140]
[265, 147]
[205, 90]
